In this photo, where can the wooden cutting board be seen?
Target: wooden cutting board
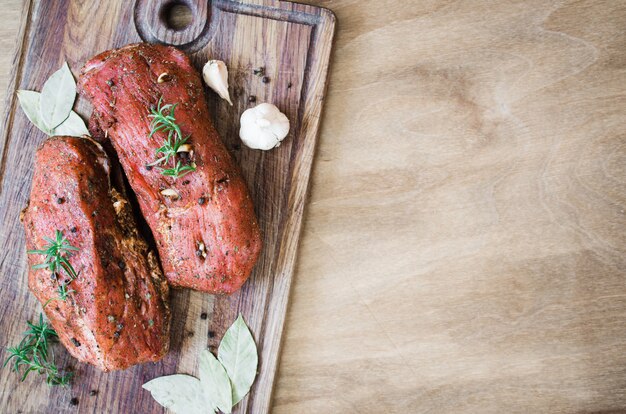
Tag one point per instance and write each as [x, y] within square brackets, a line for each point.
[292, 43]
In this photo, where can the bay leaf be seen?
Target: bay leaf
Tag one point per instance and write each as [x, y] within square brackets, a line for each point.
[180, 393]
[57, 97]
[237, 353]
[215, 382]
[73, 126]
[29, 102]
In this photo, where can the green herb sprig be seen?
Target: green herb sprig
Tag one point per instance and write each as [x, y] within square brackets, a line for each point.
[56, 252]
[179, 170]
[64, 291]
[34, 355]
[33, 352]
[164, 120]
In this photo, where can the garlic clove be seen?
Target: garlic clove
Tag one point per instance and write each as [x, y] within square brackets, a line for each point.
[263, 127]
[215, 74]
[168, 192]
[184, 148]
[164, 77]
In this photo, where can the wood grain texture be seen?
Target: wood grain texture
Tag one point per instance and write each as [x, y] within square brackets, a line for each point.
[292, 43]
[465, 245]
[463, 248]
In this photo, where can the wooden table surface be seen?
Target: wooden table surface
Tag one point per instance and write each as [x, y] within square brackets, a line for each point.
[464, 242]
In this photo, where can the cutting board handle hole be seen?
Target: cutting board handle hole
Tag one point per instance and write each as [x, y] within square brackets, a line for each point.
[176, 15]
[181, 23]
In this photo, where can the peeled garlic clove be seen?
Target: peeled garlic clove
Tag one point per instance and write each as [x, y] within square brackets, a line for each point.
[184, 148]
[215, 74]
[168, 192]
[164, 77]
[263, 127]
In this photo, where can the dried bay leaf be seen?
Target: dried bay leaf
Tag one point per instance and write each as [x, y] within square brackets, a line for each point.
[237, 352]
[29, 101]
[57, 97]
[223, 382]
[73, 126]
[180, 393]
[215, 382]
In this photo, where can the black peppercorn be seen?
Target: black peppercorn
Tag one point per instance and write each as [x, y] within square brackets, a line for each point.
[74, 401]
[211, 334]
[203, 315]
[75, 342]
[265, 79]
[251, 98]
[148, 167]
[73, 229]
[93, 392]
[289, 85]
[60, 200]
[110, 82]
[201, 200]
[260, 71]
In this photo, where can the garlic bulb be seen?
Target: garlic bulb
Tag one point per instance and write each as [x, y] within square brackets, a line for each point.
[263, 127]
[215, 74]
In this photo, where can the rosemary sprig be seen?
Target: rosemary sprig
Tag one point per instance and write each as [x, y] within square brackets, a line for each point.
[54, 252]
[179, 170]
[33, 354]
[55, 261]
[64, 291]
[164, 120]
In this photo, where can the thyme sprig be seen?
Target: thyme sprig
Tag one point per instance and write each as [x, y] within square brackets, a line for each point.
[164, 120]
[34, 355]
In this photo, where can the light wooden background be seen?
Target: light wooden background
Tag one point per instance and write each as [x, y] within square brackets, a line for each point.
[464, 244]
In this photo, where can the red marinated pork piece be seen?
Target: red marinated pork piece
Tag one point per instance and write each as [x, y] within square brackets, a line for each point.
[203, 222]
[116, 313]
